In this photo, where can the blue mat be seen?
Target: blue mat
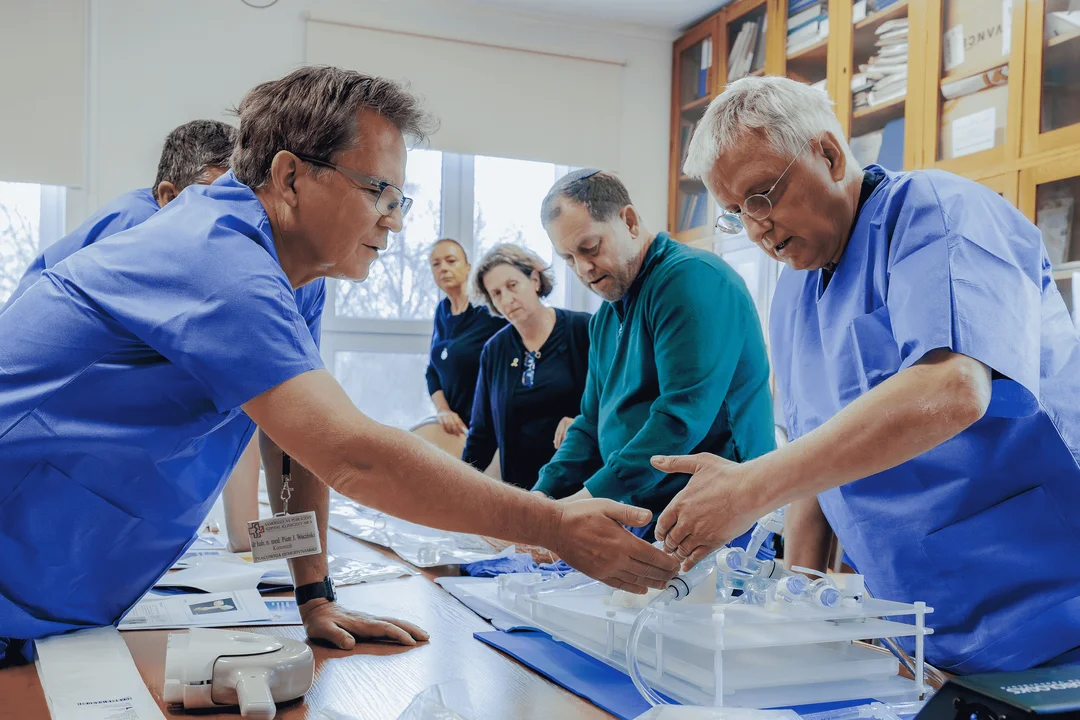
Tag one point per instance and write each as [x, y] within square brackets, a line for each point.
[585, 676]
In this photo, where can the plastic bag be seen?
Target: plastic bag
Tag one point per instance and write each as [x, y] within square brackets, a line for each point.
[349, 570]
[419, 545]
[445, 701]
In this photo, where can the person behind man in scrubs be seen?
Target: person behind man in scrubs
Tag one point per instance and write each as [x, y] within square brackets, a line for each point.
[677, 360]
[532, 372]
[129, 371]
[196, 153]
[930, 379]
[461, 329]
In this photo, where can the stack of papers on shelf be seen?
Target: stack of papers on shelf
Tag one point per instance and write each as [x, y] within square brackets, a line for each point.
[883, 77]
[748, 51]
[808, 23]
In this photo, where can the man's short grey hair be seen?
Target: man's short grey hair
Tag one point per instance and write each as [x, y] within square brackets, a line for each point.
[312, 111]
[192, 149]
[785, 113]
[515, 256]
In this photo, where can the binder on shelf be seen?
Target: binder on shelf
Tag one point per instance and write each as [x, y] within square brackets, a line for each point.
[796, 6]
[706, 63]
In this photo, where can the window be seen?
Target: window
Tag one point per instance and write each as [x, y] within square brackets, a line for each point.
[385, 386]
[376, 333]
[400, 286]
[506, 209]
[31, 217]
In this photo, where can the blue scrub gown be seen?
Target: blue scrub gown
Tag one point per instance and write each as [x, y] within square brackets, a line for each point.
[125, 212]
[122, 373]
[985, 527]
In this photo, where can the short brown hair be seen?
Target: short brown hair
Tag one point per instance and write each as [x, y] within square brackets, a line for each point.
[602, 194]
[515, 256]
[312, 111]
[191, 149]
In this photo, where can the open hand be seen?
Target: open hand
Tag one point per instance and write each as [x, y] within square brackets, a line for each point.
[560, 432]
[713, 508]
[591, 537]
[341, 627]
[452, 423]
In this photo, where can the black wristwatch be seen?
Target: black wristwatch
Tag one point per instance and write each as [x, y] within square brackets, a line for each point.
[324, 589]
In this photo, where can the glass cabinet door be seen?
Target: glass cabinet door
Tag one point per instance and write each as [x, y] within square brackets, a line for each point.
[973, 87]
[879, 81]
[695, 87]
[1058, 219]
[1052, 79]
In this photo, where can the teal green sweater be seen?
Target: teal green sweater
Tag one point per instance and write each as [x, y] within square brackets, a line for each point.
[682, 369]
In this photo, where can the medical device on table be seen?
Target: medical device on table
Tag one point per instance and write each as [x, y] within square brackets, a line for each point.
[732, 631]
[215, 668]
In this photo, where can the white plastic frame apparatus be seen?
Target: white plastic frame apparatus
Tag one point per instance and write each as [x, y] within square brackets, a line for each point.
[727, 653]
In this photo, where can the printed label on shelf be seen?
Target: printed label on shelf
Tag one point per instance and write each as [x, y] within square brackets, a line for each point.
[952, 48]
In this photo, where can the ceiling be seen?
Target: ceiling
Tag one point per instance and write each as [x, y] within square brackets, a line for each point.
[663, 15]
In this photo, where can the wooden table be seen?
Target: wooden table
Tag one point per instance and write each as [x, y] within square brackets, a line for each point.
[373, 681]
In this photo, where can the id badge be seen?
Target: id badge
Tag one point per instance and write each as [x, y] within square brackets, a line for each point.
[284, 536]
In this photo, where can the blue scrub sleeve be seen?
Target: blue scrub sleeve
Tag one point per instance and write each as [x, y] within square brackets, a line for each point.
[94, 229]
[314, 319]
[963, 275]
[232, 324]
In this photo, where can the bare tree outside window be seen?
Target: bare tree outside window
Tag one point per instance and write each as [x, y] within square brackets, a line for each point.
[506, 209]
[20, 210]
[400, 286]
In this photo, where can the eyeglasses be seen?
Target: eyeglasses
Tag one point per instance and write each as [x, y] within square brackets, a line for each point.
[757, 206]
[389, 197]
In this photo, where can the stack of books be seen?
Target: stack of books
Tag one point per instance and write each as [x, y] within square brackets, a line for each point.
[748, 51]
[686, 131]
[883, 77]
[692, 210]
[808, 23]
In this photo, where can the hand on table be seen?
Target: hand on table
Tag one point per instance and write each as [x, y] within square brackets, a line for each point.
[341, 627]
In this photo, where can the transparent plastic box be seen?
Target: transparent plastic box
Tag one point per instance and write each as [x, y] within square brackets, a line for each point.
[729, 654]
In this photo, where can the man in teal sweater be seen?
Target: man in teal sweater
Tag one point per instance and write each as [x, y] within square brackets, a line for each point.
[677, 361]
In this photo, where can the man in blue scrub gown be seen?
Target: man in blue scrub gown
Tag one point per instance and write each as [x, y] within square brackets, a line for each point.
[129, 371]
[929, 376]
[196, 153]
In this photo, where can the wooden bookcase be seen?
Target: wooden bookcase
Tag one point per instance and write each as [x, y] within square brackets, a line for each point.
[1020, 135]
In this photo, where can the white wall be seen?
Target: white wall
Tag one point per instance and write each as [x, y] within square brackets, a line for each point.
[155, 64]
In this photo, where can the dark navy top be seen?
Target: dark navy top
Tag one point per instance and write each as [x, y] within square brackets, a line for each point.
[520, 421]
[456, 344]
